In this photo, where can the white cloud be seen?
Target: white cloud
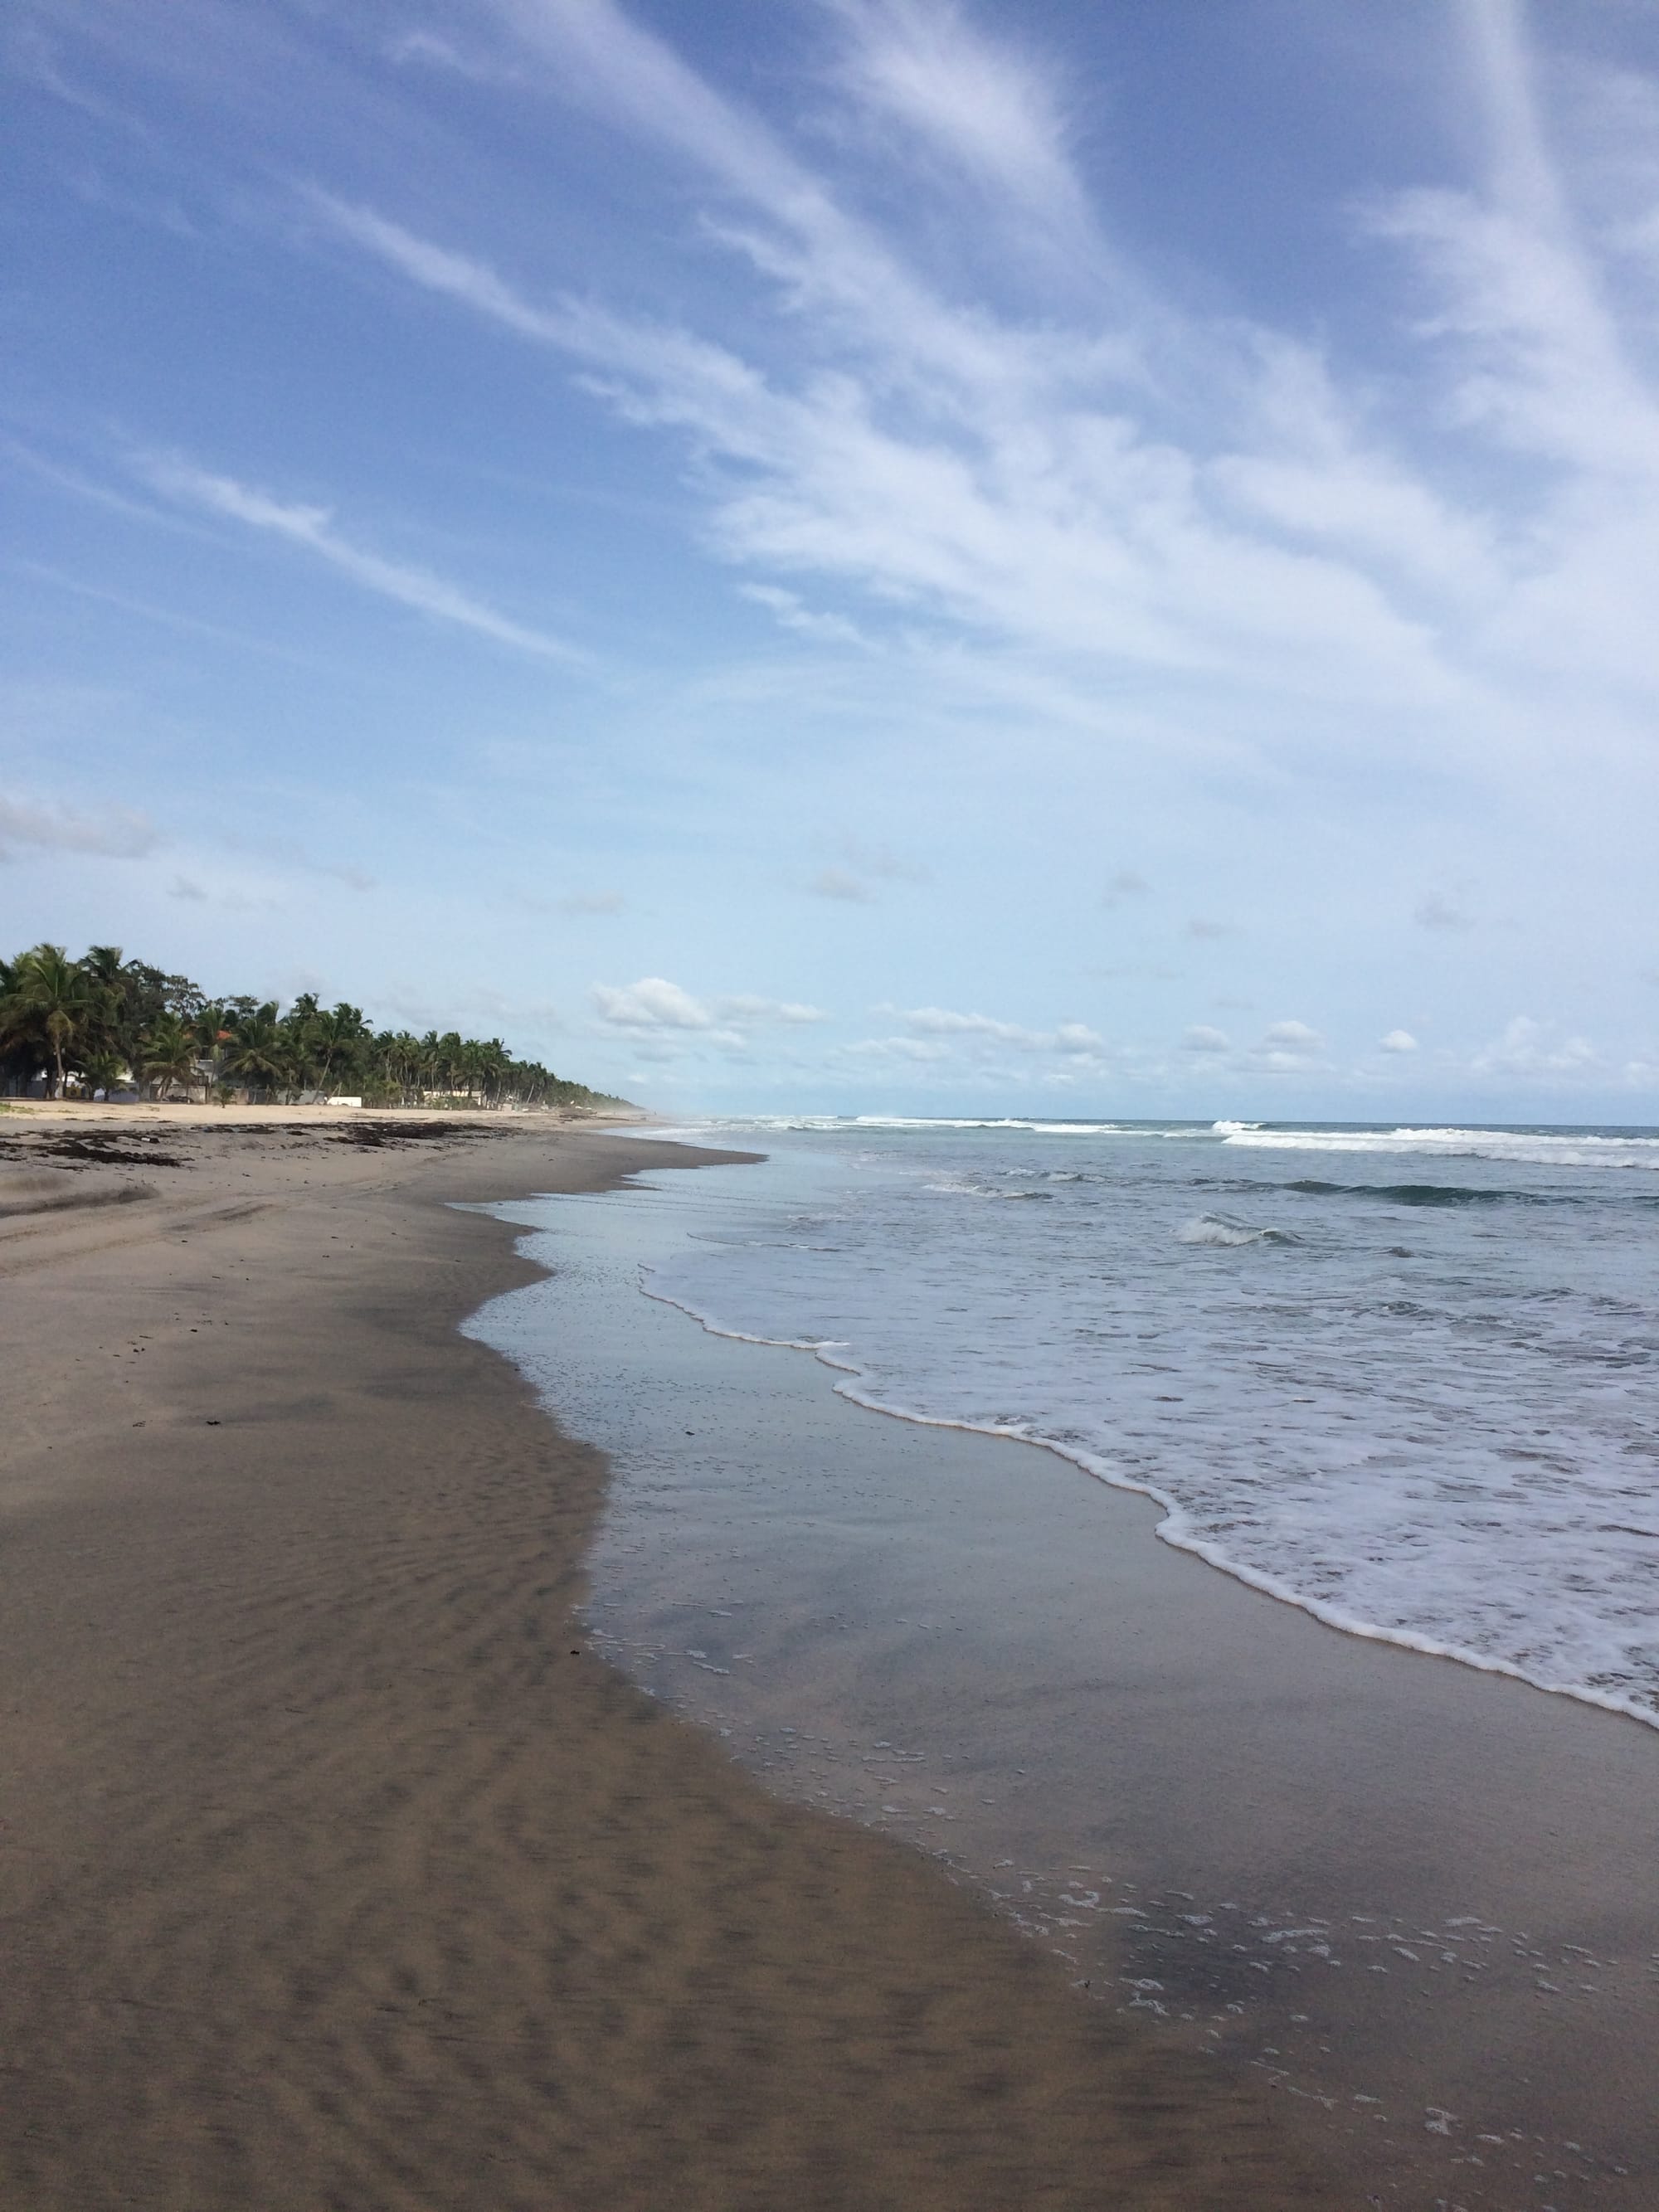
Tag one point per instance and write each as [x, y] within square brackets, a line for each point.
[744, 1006]
[1202, 1038]
[1288, 1047]
[979, 1032]
[312, 527]
[592, 902]
[119, 833]
[994, 112]
[1530, 1048]
[654, 1005]
[1077, 1037]
[1043, 483]
[1295, 1036]
[1399, 1040]
[898, 1048]
[791, 613]
[941, 1021]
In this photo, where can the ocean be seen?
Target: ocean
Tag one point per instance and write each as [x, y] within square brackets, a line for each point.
[1402, 1377]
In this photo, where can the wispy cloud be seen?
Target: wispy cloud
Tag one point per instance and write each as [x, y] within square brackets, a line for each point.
[942, 1027]
[1126, 884]
[118, 833]
[1046, 485]
[312, 529]
[1435, 910]
[841, 884]
[995, 113]
[866, 869]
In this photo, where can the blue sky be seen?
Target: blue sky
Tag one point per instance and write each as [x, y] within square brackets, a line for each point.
[853, 555]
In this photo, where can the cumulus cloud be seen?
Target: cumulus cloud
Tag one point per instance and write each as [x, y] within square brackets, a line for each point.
[1294, 1036]
[1077, 1037]
[1530, 1048]
[1288, 1049]
[654, 1005]
[1399, 1040]
[118, 833]
[1202, 1038]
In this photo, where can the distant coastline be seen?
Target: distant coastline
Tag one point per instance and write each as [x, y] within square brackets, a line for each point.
[106, 1027]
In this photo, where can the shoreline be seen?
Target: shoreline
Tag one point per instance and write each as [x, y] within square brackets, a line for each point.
[1271, 1813]
[336, 1869]
[1099, 1470]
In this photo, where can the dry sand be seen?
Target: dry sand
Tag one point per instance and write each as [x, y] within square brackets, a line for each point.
[333, 1870]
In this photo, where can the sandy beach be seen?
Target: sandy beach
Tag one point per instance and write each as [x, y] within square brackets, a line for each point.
[335, 1869]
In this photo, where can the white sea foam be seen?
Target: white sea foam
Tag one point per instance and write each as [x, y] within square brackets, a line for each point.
[1529, 1147]
[1421, 1419]
[1221, 1228]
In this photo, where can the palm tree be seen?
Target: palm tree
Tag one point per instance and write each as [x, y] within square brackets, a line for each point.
[335, 1038]
[259, 1050]
[169, 1053]
[401, 1059]
[99, 1015]
[50, 1001]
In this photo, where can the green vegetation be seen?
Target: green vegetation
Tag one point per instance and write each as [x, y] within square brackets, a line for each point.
[103, 1023]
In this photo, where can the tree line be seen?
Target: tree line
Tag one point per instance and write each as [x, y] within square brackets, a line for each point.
[105, 1024]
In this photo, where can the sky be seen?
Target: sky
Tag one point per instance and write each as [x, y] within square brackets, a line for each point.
[854, 556]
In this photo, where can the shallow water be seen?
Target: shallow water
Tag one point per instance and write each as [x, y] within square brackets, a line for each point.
[1405, 1379]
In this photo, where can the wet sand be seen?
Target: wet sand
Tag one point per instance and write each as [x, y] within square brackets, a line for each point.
[336, 1870]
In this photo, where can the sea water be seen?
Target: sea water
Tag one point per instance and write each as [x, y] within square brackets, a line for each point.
[1403, 1377]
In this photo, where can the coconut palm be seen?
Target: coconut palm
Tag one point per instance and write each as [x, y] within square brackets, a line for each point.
[335, 1040]
[258, 1051]
[169, 1053]
[102, 1014]
[50, 1002]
